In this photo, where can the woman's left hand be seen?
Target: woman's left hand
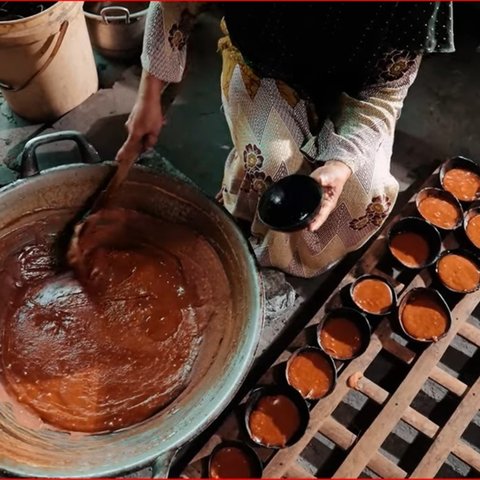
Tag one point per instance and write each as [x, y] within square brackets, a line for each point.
[332, 177]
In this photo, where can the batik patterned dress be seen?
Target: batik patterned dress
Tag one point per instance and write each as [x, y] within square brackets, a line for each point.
[301, 85]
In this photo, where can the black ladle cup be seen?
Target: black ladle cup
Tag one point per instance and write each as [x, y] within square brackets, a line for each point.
[290, 204]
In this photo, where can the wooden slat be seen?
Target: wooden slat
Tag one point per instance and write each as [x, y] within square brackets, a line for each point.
[410, 416]
[371, 390]
[471, 333]
[440, 376]
[342, 437]
[324, 408]
[399, 351]
[452, 384]
[420, 422]
[384, 467]
[449, 435]
[337, 433]
[393, 411]
[467, 454]
[297, 471]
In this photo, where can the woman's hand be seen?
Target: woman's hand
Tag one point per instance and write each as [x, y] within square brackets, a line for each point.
[145, 120]
[332, 177]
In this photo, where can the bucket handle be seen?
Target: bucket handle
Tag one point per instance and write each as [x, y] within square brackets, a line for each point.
[61, 36]
[29, 162]
[113, 8]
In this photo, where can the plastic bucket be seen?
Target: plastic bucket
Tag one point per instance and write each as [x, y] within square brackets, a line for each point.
[47, 66]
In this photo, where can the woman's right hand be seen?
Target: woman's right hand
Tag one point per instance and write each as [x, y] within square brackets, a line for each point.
[145, 121]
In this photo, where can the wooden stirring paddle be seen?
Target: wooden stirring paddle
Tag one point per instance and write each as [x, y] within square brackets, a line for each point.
[75, 255]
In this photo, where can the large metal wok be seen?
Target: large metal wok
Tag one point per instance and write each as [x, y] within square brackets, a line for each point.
[223, 364]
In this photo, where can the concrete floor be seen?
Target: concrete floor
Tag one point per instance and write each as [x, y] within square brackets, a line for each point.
[441, 118]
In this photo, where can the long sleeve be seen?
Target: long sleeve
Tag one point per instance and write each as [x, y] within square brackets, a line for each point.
[168, 25]
[361, 124]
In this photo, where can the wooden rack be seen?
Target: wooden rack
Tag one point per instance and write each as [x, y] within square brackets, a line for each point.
[360, 453]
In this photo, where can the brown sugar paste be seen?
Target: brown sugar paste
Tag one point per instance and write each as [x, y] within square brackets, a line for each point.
[410, 248]
[110, 350]
[311, 374]
[341, 337]
[439, 211]
[473, 230]
[373, 296]
[463, 184]
[274, 420]
[231, 462]
[458, 273]
[423, 317]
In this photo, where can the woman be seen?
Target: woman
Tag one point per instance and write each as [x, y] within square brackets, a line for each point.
[311, 88]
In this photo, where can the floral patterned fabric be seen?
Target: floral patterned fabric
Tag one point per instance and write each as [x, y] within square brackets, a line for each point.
[271, 127]
[166, 34]
[276, 131]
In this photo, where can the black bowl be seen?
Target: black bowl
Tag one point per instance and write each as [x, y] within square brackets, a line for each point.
[463, 253]
[330, 363]
[468, 215]
[429, 233]
[360, 321]
[273, 390]
[464, 164]
[255, 462]
[290, 204]
[373, 277]
[444, 195]
[438, 299]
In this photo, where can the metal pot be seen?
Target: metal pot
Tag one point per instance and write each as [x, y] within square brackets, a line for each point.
[220, 369]
[116, 29]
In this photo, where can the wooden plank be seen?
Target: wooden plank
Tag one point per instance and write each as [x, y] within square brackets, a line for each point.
[452, 384]
[342, 437]
[467, 454]
[337, 433]
[399, 351]
[411, 416]
[393, 411]
[420, 422]
[384, 467]
[450, 434]
[471, 333]
[324, 408]
[297, 471]
[371, 390]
